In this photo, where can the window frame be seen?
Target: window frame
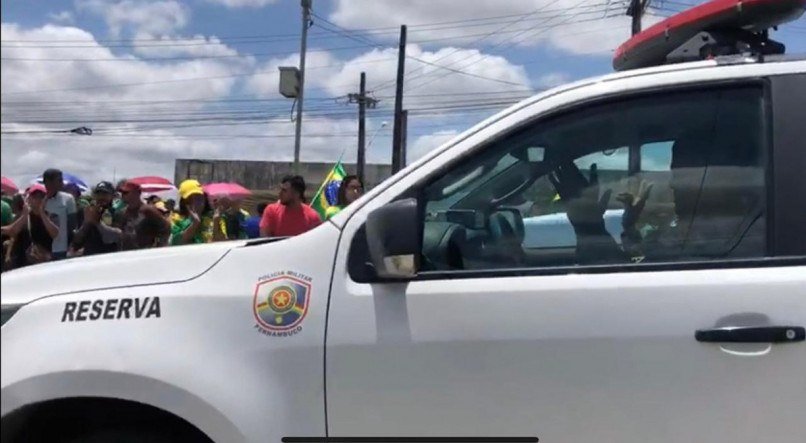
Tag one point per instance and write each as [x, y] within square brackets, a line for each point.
[768, 153]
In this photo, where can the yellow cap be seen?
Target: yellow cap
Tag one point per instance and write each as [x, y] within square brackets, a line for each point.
[190, 187]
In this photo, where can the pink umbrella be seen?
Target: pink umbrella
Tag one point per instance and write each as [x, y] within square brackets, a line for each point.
[229, 189]
[153, 184]
[9, 187]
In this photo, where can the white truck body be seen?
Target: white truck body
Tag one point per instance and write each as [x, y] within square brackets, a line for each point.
[601, 356]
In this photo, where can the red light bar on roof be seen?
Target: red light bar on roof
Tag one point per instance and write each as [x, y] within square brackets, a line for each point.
[727, 18]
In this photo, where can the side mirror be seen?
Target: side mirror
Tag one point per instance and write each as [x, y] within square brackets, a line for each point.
[393, 237]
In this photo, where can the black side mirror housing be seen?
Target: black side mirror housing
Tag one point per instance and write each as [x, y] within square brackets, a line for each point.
[393, 238]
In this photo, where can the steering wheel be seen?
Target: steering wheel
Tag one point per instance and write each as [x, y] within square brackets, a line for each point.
[506, 234]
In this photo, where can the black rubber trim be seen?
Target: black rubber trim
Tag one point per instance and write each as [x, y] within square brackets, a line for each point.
[613, 269]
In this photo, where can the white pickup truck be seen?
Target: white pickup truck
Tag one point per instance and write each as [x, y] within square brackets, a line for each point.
[421, 310]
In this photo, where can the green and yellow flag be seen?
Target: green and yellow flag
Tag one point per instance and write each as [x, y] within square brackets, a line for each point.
[327, 194]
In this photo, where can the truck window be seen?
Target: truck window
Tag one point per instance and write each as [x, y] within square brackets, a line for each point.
[695, 192]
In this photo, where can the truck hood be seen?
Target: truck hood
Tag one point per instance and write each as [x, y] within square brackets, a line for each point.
[106, 271]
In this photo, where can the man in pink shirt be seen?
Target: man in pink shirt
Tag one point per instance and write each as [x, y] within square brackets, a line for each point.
[290, 216]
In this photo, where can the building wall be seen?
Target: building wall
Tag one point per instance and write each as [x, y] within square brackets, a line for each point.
[260, 175]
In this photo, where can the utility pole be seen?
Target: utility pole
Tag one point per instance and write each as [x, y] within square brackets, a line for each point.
[306, 20]
[397, 131]
[364, 102]
[404, 134]
[636, 11]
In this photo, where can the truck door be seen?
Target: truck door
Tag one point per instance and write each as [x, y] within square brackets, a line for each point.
[561, 295]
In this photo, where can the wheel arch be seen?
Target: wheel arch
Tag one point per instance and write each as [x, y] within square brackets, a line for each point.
[70, 391]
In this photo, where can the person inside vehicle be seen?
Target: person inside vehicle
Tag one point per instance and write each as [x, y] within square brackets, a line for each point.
[350, 190]
[714, 213]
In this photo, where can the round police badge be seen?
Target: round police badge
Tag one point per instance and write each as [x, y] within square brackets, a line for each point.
[281, 303]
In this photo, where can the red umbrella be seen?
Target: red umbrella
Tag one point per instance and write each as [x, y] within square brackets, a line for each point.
[153, 183]
[9, 187]
[226, 189]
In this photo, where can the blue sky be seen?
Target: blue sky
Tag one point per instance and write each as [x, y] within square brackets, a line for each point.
[167, 79]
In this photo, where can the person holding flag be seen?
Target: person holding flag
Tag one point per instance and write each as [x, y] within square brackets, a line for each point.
[326, 201]
[350, 190]
[337, 191]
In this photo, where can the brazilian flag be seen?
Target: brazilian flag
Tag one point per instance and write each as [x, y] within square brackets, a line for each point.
[328, 193]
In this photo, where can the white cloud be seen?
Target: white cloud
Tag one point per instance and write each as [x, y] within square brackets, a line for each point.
[340, 77]
[319, 70]
[142, 16]
[426, 143]
[63, 17]
[133, 148]
[424, 82]
[552, 79]
[243, 3]
[153, 152]
[74, 99]
[337, 77]
[20, 76]
[571, 25]
[149, 45]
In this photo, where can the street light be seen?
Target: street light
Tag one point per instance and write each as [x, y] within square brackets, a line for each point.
[371, 139]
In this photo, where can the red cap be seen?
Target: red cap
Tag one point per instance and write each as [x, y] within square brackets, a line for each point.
[129, 187]
[36, 188]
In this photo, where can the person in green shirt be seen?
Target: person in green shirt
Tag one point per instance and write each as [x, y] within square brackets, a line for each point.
[196, 222]
[8, 214]
[350, 190]
[233, 217]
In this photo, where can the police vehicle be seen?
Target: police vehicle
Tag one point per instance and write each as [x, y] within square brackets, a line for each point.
[658, 295]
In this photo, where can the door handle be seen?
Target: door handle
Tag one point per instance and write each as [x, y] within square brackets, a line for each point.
[752, 334]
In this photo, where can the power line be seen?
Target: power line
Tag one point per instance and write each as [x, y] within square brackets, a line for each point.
[474, 42]
[243, 115]
[493, 50]
[134, 59]
[266, 38]
[444, 106]
[197, 57]
[150, 102]
[430, 63]
[225, 76]
[124, 85]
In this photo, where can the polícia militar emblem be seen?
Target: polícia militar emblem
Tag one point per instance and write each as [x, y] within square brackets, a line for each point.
[281, 303]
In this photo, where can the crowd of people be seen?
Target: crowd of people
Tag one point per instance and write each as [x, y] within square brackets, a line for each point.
[51, 222]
